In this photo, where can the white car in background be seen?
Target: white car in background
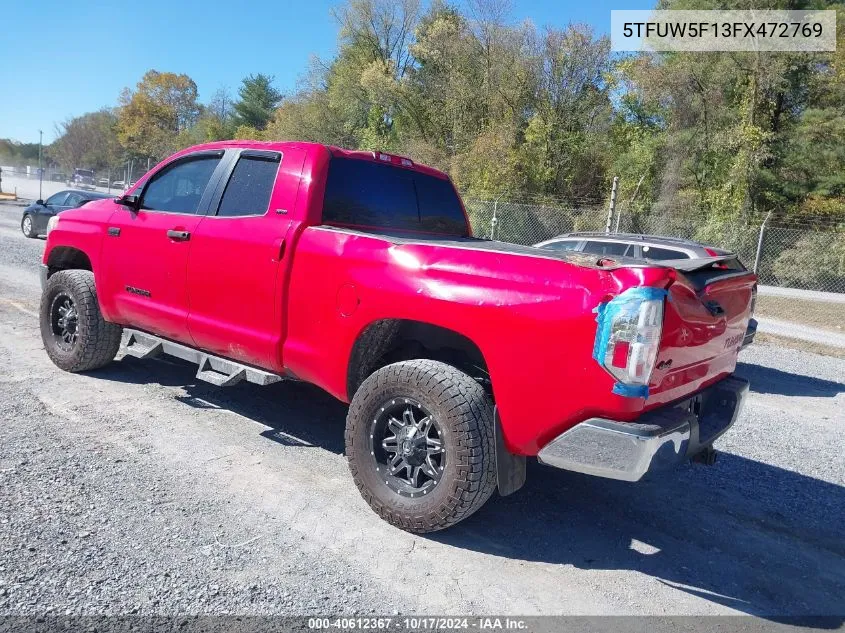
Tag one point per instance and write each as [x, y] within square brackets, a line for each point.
[638, 246]
[653, 248]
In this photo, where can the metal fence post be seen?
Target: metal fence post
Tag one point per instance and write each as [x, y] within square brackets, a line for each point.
[40, 168]
[495, 220]
[612, 204]
[760, 243]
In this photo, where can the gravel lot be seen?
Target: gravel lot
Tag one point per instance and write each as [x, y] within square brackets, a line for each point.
[136, 489]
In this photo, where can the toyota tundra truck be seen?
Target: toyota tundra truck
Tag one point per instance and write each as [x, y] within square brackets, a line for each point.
[357, 271]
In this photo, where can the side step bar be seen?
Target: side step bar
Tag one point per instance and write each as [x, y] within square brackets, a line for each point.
[214, 369]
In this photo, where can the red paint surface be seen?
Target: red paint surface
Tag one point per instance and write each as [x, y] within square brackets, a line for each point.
[283, 292]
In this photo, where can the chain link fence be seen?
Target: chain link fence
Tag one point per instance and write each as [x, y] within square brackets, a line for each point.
[802, 264]
[119, 177]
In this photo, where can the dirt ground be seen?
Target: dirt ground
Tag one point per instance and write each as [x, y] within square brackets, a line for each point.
[138, 489]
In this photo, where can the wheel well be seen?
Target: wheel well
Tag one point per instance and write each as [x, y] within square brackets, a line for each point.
[67, 258]
[393, 340]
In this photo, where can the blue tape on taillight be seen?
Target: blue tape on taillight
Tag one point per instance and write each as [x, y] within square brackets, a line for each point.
[604, 318]
[630, 391]
[605, 314]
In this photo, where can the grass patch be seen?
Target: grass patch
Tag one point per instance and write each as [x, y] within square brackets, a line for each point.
[820, 314]
[770, 340]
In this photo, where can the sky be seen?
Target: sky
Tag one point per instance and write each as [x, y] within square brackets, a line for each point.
[63, 58]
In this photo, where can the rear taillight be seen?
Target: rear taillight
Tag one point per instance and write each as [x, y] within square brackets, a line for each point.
[634, 339]
[628, 338]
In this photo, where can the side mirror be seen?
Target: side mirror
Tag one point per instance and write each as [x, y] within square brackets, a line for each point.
[128, 201]
[39, 202]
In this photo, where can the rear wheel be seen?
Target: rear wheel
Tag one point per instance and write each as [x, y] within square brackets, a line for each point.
[420, 444]
[75, 335]
[27, 226]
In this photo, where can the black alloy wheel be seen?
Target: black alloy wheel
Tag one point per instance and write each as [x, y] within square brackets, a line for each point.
[64, 321]
[407, 446]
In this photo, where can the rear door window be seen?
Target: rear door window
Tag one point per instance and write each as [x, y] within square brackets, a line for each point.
[373, 195]
[653, 252]
[248, 190]
[609, 248]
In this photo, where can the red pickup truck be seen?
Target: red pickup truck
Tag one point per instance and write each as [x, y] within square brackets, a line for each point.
[357, 271]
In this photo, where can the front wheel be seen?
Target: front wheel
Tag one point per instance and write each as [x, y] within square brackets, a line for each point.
[27, 227]
[420, 445]
[75, 335]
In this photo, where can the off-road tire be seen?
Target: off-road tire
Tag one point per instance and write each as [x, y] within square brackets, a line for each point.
[31, 232]
[465, 415]
[97, 340]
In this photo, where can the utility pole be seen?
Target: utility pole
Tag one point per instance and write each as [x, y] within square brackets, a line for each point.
[612, 204]
[40, 168]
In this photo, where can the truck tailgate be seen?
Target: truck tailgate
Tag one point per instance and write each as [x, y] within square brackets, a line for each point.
[706, 315]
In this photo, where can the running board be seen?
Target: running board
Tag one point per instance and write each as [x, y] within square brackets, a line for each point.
[214, 369]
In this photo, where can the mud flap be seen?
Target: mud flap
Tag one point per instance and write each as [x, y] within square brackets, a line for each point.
[510, 468]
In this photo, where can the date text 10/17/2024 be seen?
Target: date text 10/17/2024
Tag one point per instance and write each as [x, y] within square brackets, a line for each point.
[420, 623]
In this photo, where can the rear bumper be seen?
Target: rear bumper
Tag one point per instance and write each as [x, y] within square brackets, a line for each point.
[657, 440]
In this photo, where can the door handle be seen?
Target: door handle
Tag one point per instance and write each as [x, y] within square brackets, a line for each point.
[178, 235]
[114, 231]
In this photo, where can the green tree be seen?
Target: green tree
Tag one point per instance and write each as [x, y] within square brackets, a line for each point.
[13, 152]
[153, 116]
[737, 133]
[258, 100]
[512, 111]
[566, 135]
[87, 141]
